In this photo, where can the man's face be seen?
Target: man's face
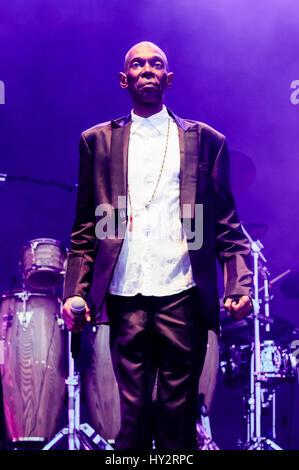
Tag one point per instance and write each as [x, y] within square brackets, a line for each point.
[146, 75]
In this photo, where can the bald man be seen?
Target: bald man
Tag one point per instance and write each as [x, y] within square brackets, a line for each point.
[154, 213]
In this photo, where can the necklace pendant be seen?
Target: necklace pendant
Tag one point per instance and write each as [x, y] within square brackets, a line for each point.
[131, 223]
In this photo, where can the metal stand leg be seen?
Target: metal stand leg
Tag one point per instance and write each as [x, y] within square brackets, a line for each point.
[80, 436]
[255, 441]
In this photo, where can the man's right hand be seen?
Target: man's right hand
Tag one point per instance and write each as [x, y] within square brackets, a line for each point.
[74, 323]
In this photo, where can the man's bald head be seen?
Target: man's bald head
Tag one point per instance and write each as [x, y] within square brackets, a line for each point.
[146, 77]
[141, 45]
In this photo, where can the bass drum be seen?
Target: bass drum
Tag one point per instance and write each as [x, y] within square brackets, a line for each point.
[33, 371]
[101, 390]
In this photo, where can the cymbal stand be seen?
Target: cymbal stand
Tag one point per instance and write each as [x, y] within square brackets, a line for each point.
[255, 441]
[80, 437]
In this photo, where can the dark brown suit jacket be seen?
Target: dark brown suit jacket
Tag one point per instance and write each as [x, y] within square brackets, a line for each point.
[204, 179]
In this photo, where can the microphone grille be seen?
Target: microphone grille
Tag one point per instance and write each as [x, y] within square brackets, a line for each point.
[77, 305]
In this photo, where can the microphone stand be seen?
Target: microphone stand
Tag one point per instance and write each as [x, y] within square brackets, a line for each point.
[255, 439]
[80, 436]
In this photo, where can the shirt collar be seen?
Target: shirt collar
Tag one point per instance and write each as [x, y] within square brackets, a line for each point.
[155, 120]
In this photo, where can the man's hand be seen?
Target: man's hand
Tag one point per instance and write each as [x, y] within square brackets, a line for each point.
[74, 323]
[239, 307]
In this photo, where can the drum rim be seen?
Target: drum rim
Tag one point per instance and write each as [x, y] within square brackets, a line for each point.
[35, 273]
[43, 241]
[43, 267]
[24, 291]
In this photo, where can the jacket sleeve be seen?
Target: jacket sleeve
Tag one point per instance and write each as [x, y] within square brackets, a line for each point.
[233, 248]
[80, 260]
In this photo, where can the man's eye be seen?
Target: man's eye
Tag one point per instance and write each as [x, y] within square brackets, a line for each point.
[158, 65]
[135, 65]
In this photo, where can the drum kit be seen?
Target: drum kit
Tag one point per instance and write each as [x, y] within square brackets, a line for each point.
[33, 346]
[257, 354]
[37, 367]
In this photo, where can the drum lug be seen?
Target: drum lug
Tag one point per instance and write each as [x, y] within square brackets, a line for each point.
[24, 317]
[60, 323]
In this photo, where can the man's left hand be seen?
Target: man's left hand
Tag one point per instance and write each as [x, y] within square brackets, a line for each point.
[239, 307]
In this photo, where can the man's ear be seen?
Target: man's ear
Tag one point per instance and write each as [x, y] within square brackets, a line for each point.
[123, 81]
[169, 79]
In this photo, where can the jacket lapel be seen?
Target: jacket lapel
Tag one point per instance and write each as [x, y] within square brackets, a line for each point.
[189, 156]
[119, 159]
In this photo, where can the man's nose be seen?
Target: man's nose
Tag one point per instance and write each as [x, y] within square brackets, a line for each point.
[147, 69]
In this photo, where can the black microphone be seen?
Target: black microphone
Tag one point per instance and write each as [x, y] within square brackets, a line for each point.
[77, 307]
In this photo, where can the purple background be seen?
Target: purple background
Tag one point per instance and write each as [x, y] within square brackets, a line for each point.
[233, 63]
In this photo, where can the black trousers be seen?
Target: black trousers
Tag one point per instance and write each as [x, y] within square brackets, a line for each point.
[158, 340]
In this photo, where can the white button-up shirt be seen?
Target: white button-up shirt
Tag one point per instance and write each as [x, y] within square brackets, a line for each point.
[154, 258]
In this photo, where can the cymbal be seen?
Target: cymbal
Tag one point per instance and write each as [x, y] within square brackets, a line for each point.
[290, 286]
[242, 171]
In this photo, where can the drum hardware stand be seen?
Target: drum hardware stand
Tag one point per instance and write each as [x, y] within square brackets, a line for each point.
[255, 441]
[80, 436]
[266, 401]
[265, 273]
[271, 398]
